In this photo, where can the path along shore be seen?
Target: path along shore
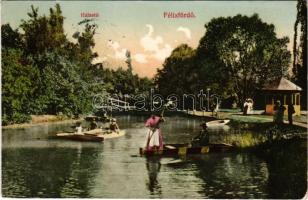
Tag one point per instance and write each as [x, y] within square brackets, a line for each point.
[238, 116]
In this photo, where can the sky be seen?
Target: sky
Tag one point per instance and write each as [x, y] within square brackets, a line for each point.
[141, 28]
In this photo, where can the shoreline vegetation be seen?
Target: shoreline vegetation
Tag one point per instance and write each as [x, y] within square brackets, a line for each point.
[37, 120]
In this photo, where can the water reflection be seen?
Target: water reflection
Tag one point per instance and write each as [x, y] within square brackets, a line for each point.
[48, 172]
[153, 167]
[232, 175]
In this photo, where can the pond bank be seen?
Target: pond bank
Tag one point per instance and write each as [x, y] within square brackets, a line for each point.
[254, 118]
[256, 134]
[37, 120]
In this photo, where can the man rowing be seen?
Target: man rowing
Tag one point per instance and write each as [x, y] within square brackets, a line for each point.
[203, 138]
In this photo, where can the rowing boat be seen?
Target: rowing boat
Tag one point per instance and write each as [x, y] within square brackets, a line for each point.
[80, 137]
[186, 149]
[95, 135]
[217, 123]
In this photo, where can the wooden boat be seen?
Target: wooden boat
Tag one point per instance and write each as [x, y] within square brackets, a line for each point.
[95, 135]
[217, 123]
[80, 137]
[186, 149]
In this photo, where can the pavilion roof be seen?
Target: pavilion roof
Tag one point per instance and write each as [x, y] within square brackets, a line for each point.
[282, 84]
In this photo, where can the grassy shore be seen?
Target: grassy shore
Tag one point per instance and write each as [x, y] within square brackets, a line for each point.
[250, 133]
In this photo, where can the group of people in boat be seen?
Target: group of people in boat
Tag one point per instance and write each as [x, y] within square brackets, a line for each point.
[113, 126]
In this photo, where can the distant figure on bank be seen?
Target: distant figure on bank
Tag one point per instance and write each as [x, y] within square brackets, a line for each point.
[93, 124]
[203, 138]
[212, 107]
[154, 139]
[279, 111]
[78, 128]
[291, 111]
[275, 111]
[114, 126]
[250, 106]
[245, 109]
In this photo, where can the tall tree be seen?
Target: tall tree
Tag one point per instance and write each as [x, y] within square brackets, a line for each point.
[300, 50]
[245, 51]
[18, 86]
[10, 38]
[177, 75]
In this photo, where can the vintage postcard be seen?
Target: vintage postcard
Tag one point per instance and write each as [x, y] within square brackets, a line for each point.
[154, 99]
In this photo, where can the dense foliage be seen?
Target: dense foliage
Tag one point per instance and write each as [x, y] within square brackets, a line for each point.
[236, 57]
[300, 49]
[43, 72]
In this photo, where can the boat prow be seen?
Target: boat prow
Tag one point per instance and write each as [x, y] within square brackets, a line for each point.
[217, 123]
[80, 137]
[187, 149]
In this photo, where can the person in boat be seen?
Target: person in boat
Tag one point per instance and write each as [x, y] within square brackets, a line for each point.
[93, 124]
[78, 128]
[154, 139]
[203, 138]
[114, 127]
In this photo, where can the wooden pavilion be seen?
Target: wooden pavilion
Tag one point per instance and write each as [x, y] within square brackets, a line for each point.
[285, 91]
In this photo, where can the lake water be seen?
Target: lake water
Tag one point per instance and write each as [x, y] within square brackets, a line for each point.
[35, 165]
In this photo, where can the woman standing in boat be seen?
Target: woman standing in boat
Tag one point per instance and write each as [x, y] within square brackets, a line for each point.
[154, 139]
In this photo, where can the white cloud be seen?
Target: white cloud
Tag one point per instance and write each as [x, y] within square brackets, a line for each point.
[153, 44]
[99, 60]
[119, 53]
[163, 52]
[140, 58]
[113, 44]
[186, 31]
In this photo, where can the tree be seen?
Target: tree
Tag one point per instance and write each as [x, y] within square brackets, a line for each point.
[17, 87]
[177, 75]
[45, 73]
[244, 52]
[300, 50]
[42, 33]
[10, 38]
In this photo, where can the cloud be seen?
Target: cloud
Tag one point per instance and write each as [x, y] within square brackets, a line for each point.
[140, 58]
[186, 31]
[119, 53]
[163, 52]
[153, 44]
[113, 45]
[99, 60]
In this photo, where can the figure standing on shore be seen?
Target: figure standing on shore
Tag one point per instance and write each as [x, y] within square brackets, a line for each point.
[291, 111]
[279, 113]
[275, 111]
[245, 109]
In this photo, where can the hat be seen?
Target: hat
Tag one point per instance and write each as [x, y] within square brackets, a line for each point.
[113, 120]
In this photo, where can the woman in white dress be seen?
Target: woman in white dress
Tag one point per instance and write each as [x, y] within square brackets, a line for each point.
[154, 139]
